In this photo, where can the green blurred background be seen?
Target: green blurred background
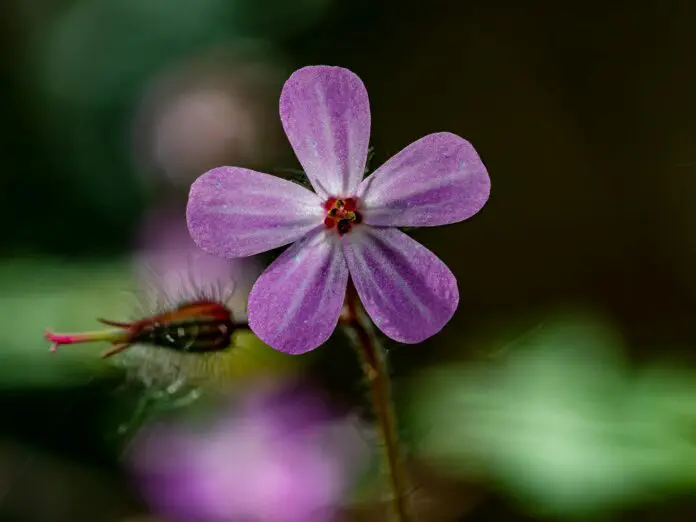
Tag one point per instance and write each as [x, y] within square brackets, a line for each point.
[564, 388]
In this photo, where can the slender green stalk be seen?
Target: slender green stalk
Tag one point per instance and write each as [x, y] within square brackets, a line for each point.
[373, 359]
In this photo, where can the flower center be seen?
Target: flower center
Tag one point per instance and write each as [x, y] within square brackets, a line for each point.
[341, 214]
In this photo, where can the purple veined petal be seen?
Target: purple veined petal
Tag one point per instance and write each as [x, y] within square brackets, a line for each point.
[325, 112]
[409, 293]
[436, 180]
[295, 304]
[234, 212]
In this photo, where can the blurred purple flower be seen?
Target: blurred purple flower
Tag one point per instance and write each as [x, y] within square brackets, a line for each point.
[348, 226]
[170, 267]
[280, 456]
[207, 110]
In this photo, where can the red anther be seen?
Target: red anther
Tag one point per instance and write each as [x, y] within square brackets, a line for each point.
[341, 213]
[329, 222]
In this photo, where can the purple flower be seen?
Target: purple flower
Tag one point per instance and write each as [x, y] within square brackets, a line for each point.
[348, 226]
[280, 456]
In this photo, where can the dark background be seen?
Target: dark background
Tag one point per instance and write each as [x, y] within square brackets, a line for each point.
[584, 113]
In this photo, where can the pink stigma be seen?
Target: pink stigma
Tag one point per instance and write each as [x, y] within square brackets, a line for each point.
[112, 336]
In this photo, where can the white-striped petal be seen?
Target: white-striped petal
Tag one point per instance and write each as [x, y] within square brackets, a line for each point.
[234, 212]
[409, 293]
[325, 112]
[295, 304]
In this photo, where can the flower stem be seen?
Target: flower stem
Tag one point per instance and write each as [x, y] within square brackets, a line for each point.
[374, 365]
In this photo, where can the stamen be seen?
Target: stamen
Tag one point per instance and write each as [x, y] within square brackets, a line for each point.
[342, 214]
[344, 226]
[329, 204]
[329, 222]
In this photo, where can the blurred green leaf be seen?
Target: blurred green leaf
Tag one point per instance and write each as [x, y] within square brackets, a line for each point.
[101, 50]
[38, 295]
[561, 423]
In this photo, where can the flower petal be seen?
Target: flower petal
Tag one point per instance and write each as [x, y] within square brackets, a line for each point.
[295, 304]
[234, 212]
[326, 115]
[407, 291]
[436, 180]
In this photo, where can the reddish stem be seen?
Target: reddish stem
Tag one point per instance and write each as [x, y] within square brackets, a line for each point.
[375, 368]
